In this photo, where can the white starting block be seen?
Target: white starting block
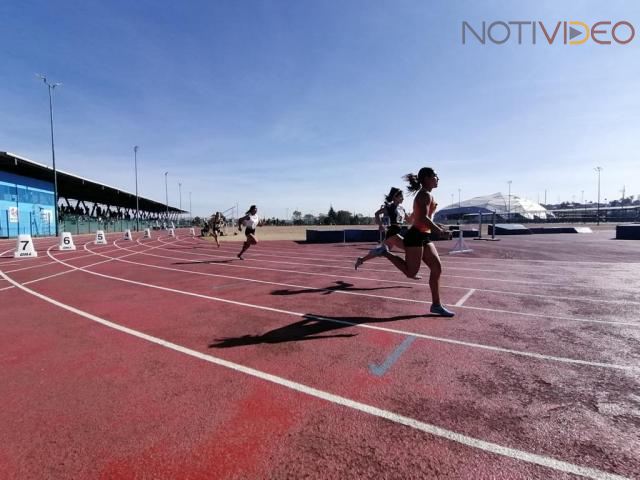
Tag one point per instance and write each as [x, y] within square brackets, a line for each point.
[66, 242]
[101, 239]
[147, 233]
[24, 247]
[127, 235]
[192, 232]
[172, 232]
[460, 246]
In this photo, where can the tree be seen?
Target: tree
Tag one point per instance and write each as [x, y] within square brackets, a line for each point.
[356, 219]
[196, 221]
[309, 219]
[332, 216]
[343, 217]
[297, 217]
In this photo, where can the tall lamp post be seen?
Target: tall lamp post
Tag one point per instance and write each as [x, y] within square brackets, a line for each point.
[180, 198]
[598, 169]
[135, 165]
[459, 194]
[166, 193]
[190, 216]
[509, 199]
[51, 87]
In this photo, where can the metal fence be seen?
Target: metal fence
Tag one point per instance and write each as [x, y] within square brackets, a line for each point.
[12, 224]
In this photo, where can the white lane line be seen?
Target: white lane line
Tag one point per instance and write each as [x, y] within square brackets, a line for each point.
[501, 292]
[331, 263]
[2, 254]
[465, 298]
[492, 310]
[349, 260]
[445, 275]
[52, 263]
[431, 429]
[31, 267]
[538, 356]
[109, 259]
[64, 272]
[59, 273]
[490, 261]
[465, 260]
[400, 299]
[350, 268]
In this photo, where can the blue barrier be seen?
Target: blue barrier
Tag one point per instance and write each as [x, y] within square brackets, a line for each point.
[362, 235]
[340, 236]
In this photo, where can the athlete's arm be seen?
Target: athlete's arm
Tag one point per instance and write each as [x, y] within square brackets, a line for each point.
[377, 216]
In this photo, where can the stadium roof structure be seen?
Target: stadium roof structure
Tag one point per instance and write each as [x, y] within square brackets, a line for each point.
[78, 188]
[497, 202]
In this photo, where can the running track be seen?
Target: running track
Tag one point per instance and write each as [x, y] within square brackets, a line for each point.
[169, 358]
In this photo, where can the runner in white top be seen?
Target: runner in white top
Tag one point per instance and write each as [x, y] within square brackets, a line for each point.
[250, 222]
[215, 226]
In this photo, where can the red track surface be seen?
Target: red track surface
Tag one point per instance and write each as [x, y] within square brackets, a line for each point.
[205, 366]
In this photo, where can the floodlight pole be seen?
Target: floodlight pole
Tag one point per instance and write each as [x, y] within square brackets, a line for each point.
[190, 216]
[509, 199]
[180, 196]
[135, 164]
[166, 193]
[51, 87]
[598, 169]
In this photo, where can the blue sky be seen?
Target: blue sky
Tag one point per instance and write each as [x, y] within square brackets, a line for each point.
[302, 104]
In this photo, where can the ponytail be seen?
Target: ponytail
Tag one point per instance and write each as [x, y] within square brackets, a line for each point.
[415, 181]
[412, 180]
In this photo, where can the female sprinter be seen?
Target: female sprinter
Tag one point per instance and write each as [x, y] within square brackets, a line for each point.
[215, 226]
[393, 210]
[250, 222]
[417, 241]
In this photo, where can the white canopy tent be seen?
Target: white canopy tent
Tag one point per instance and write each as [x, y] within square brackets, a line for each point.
[504, 206]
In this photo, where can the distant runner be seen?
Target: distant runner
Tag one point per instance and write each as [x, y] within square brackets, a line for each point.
[250, 222]
[215, 226]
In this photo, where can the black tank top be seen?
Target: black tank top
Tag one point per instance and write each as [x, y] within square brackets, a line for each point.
[395, 213]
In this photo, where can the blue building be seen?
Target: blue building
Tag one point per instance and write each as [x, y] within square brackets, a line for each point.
[27, 202]
[26, 206]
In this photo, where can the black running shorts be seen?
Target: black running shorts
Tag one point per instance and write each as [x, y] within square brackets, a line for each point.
[392, 230]
[416, 238]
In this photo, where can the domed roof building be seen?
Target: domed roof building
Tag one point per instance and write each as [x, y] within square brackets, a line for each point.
[513, 207]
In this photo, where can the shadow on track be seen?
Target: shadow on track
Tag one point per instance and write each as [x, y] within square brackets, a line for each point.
[203, 261]
[307, 329]
[340, 286]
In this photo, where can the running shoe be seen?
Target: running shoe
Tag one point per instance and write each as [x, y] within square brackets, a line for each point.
[359, 262]
[440, 310]
[240, 257]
